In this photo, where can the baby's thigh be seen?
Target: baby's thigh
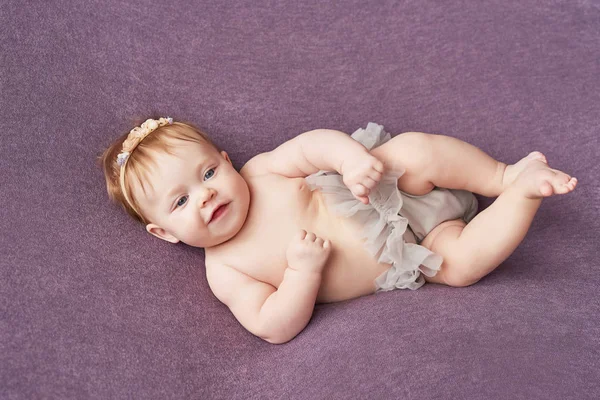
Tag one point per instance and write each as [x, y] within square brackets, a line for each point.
[407, 152]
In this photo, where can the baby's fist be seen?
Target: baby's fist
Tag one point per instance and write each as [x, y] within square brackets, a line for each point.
[307, 252]
[361, 174]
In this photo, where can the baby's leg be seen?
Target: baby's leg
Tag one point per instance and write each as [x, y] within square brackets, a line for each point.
[437, 160]
[472, 252]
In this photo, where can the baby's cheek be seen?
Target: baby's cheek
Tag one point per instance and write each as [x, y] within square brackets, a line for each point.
[187, 229]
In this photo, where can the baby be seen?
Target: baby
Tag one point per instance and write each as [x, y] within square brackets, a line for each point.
[325, 216]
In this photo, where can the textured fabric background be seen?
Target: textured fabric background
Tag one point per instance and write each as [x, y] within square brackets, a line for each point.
[91, 306]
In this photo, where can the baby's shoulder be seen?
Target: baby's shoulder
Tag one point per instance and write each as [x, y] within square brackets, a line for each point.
[256, 166]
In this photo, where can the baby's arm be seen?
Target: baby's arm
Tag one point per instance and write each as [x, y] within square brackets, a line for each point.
[322, 149]
[275, 315]
[319, 149]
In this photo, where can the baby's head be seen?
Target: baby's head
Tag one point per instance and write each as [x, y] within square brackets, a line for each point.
[171, 177]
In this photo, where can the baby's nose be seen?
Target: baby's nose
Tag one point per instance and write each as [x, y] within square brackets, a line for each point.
[206, 195]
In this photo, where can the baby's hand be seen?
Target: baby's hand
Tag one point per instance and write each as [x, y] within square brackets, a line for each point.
[361, 175]
[307, 252]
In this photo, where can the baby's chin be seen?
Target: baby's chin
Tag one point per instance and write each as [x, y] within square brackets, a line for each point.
[229, 232]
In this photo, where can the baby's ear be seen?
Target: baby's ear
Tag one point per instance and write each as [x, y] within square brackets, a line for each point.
[226, 156]
[160, 233]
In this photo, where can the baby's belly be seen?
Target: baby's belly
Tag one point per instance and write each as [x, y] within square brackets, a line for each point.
[259, 250]
[350, 270]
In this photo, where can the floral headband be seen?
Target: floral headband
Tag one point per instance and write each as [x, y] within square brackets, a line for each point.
[136, 135]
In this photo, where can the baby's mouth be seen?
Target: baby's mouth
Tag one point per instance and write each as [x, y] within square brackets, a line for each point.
[218, 212]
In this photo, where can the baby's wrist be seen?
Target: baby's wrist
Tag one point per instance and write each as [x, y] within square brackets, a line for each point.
[348, 157]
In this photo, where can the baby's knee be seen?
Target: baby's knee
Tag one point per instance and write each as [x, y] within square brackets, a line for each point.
[453, 273]
[462, 268]
[458, 268]
[459, 277]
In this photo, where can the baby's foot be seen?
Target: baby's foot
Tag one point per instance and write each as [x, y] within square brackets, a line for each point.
[538, 180]
[512, 171]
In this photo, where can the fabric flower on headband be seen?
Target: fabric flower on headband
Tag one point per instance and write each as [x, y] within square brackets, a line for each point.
[137, 134]
[122, 157]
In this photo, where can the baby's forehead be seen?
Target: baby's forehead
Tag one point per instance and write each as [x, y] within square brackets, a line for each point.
[182, 155]
[182, 148]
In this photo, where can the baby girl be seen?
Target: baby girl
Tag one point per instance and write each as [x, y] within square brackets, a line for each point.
[325, 216]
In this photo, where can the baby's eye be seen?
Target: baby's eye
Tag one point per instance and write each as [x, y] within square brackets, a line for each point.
[209, 173]
[180, 203]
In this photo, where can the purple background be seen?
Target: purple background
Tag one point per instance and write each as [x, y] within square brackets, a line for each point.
[91, 306]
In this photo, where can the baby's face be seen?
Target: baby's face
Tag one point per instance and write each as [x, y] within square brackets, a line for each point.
[188, 188]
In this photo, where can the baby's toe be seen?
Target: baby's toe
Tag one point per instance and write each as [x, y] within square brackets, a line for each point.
[564, 184]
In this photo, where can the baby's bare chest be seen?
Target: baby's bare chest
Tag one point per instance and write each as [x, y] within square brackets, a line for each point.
[279, 208]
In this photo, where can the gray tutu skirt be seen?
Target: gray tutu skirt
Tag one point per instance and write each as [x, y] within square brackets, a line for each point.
[395, 222]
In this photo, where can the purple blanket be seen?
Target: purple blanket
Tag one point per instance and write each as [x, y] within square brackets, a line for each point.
[91, 306]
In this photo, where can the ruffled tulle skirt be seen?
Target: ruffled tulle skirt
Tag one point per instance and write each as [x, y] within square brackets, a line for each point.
[394, 221]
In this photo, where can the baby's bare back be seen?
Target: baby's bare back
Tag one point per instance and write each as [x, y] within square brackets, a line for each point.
[279, 208]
